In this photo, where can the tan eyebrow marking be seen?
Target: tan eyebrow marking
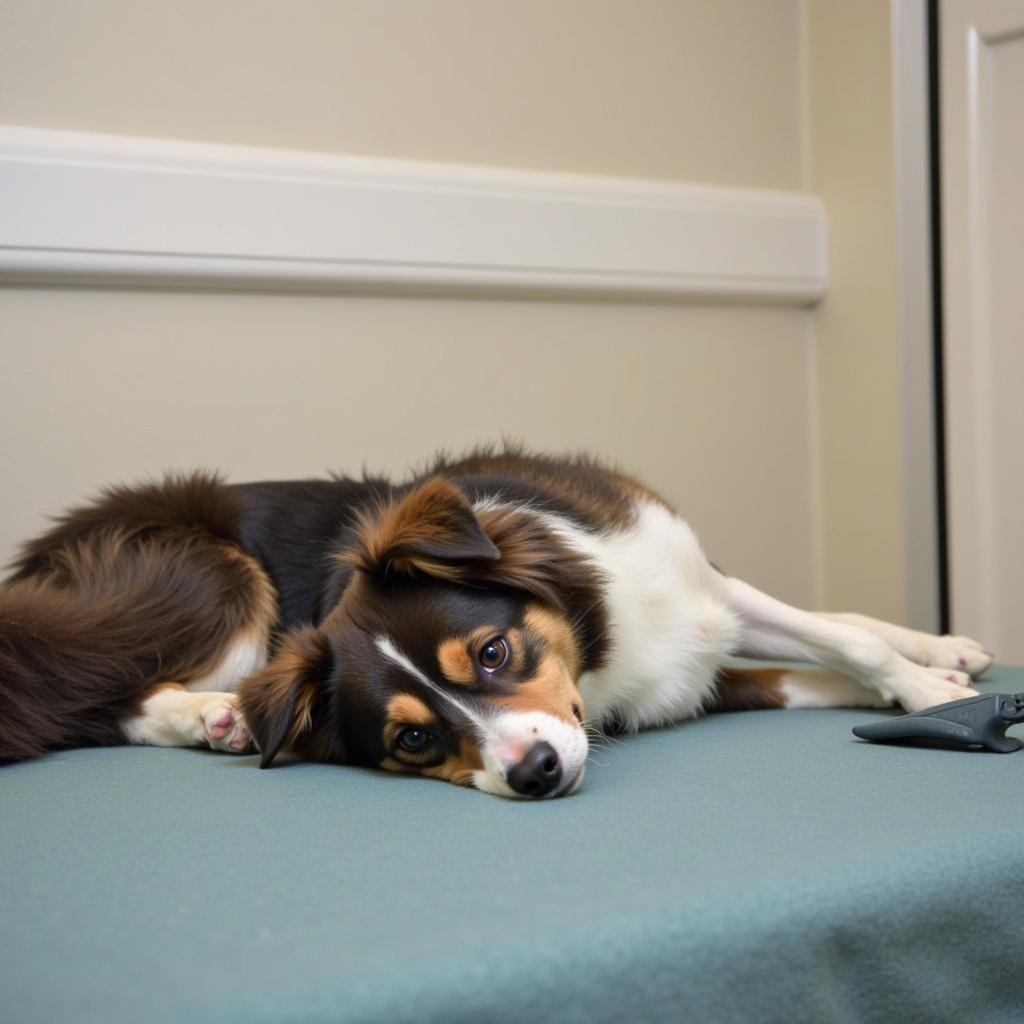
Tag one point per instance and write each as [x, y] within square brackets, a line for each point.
[405, 709]
[554, 629]
[456, 658]
[455, 662]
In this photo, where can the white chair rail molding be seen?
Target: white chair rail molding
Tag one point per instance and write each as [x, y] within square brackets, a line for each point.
[102, 209]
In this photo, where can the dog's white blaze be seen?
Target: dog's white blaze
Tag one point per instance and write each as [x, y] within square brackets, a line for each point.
[387, 647]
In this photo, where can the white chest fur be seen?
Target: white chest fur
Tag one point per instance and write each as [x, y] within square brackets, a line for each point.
[671, 626]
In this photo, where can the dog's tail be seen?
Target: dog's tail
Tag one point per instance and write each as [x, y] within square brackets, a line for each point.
[114, 611]
[747, 689]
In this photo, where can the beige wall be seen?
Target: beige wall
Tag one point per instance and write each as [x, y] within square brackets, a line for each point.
[716, 406]
[101, 386]
[681, 89]
[850, 165]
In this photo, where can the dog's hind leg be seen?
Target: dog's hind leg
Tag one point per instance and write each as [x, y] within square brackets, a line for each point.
[770, 629]
[759, 689]
[922, 648]
[84, 641]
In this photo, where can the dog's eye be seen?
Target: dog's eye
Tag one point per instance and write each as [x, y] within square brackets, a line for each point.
[414, 740]
[494, 654]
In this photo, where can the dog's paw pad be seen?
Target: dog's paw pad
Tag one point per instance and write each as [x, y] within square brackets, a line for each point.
[240, 741]
[223, 728]
[220, 726]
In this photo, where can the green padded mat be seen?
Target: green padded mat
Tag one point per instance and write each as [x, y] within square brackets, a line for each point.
[758, 867]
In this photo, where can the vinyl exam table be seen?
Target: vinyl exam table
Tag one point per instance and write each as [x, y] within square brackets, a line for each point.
[755, 867]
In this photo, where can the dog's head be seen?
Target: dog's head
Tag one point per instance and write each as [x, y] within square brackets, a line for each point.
[453, 652]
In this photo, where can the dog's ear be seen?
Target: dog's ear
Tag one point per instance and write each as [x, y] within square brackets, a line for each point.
[432, 529]
[280, 704]
[535, 560]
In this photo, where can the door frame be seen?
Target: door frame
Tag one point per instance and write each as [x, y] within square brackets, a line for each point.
[915, 151]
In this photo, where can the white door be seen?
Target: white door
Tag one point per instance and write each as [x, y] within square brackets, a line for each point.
[981, 71]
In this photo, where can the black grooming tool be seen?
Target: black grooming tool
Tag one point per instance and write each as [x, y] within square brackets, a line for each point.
[976, 721]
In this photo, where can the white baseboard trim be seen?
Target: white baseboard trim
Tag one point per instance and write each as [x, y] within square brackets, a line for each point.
[81, 208]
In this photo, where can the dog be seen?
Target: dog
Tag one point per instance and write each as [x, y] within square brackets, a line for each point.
[471, 624]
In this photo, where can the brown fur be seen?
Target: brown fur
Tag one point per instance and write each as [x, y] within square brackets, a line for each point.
[263, 610]
[283, 703]
[195, 503]
[112, 601]
[604, 496]
[432, 529]
[458, 767]
[556, 633]
[749, 689]
[531, 558]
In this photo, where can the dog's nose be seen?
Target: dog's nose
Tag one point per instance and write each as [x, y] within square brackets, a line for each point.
[538, 773]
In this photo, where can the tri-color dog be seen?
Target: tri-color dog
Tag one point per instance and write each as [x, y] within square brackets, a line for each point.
[467, 625]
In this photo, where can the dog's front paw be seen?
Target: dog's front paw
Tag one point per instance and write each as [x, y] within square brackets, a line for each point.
[917, 687]
[957, 652]
[222, 724]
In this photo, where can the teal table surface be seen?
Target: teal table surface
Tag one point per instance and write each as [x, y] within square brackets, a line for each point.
[761, 867]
